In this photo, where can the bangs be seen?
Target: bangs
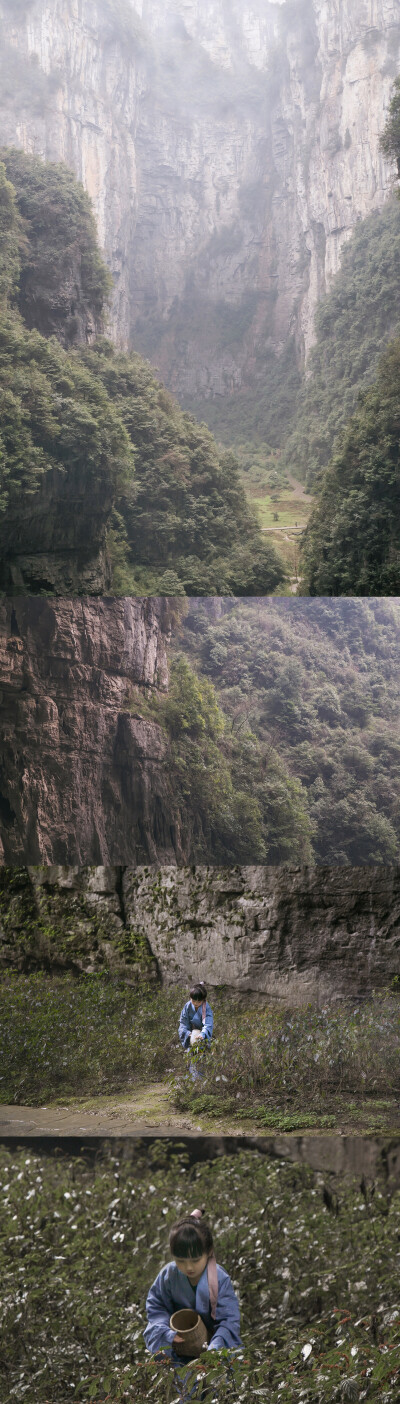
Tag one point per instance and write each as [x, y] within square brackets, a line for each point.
[185, 1242]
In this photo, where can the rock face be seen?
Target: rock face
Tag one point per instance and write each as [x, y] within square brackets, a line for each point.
[47, 544]
[83, 774]
[229, 149]
[292, 934]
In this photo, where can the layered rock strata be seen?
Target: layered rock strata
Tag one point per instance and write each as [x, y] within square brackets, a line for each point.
[82, 769]
[288, 934]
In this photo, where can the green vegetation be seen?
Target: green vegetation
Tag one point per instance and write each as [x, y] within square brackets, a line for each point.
[242, 804]
[296, 1069]
[172, 504]
[9, 230]
[263, 410]
[352, 542]
[186, 510]
[64, 1037]
[54, 414]
[58, 250]
[52, 934]
[354, 324]
[390, 140]
[310, 691]
[315, 1266]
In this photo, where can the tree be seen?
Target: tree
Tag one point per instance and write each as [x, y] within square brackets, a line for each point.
[64, 283]
[9, 239]
[352, 541]
[390, 139]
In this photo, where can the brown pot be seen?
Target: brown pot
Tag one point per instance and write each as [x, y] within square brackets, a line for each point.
[190, 1326]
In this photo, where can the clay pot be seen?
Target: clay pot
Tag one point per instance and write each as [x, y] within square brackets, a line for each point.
[191, 1327]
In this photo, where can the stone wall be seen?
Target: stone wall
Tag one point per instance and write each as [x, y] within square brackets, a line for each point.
[287, 934]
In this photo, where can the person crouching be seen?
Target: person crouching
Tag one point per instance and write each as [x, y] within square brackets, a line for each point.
[196, 1024]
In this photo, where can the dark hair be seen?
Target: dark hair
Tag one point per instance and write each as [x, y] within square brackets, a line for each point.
[199, 991]
[190, 1238]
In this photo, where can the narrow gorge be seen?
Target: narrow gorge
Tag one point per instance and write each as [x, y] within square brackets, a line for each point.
[229, 149]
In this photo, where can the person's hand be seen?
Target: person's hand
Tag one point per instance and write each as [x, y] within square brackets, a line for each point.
[178, 1340]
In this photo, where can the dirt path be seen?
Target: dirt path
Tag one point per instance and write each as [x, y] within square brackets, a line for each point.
[145, 1110]
[148, 1113]
[299, 490]
[150, 1108]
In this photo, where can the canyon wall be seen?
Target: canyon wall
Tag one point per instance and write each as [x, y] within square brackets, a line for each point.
[287, 934]
[229, 147]
[82, 768]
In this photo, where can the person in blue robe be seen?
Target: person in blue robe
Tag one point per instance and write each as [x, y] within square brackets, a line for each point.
[196, 1281]
[173, 1290]
[196, 1023]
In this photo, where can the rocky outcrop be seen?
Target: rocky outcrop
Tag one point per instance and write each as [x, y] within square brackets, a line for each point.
[285, 933]
[290, 934]
[229, 149]
[54, 542]
[74, 919]
[83, 774]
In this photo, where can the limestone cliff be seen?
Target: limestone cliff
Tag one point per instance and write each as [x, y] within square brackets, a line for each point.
[82, 770]
[229, 146]
[287, 933]
[293, 934]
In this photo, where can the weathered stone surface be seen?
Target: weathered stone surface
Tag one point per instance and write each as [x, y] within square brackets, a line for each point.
[229, 149]
[293, 934]
[82, 774]
[290, 934]
[58, 918]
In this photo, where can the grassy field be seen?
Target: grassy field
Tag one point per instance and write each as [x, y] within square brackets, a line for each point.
[287, 513]
[283, 507]
[315, 1266]
[64, 1037]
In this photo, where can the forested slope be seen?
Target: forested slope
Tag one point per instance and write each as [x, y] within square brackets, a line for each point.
[352, 544]
[353, 324]
[105, 483]
[309, 694]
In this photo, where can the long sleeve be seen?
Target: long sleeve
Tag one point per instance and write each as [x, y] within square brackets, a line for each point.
[227, 1329]
[184, 1027]
[208, 1025]
[159, 1307]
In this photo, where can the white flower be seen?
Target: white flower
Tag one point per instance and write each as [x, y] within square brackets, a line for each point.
[306, 1351]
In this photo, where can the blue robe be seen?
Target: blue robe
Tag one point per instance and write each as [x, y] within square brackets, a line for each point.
[192, 1018]
[172, 1290]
